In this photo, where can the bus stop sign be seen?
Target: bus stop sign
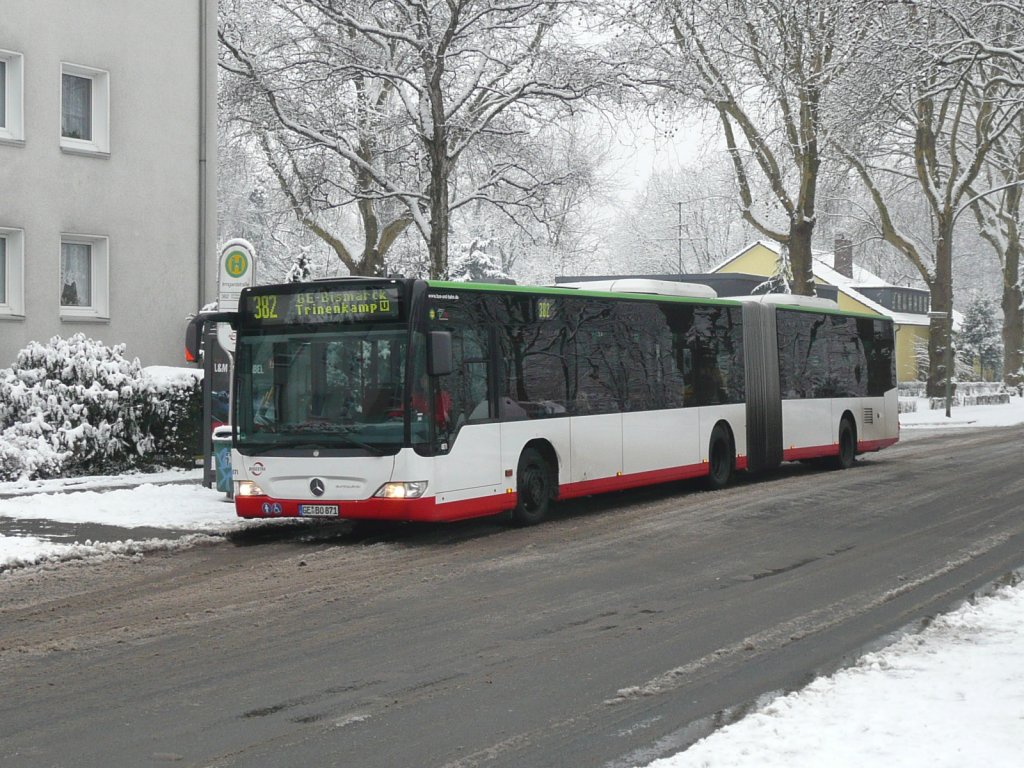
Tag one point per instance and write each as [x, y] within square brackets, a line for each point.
[237, 271]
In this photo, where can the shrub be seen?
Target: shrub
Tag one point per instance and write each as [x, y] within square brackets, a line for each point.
[74, 406]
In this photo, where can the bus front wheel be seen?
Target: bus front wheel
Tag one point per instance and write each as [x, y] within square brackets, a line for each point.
[534, 489]
[721, 458]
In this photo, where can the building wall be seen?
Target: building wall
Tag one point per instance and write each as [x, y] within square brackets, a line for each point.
[757, 260]
[144, 196]
[908, 337]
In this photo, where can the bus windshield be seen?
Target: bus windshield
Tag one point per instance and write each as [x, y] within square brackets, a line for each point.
[326, 389]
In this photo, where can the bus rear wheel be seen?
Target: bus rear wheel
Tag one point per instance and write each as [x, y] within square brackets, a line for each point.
[721, 458]
[847, 445]
[534, 489]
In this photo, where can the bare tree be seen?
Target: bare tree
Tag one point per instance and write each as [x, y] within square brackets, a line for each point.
[945, 106]
[764, 69]
[409, 110]
[685, 220]
[1000, 224]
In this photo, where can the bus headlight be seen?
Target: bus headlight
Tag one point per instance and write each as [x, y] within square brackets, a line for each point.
[402, 490]
[248, 488]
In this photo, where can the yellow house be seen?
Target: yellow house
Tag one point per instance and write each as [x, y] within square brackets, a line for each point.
[857, 290]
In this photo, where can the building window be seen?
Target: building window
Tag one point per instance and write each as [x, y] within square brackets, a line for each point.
[11, 90]
[76, 274]
[12, 259]
[84, 109]
[83, 277]
[76, 107]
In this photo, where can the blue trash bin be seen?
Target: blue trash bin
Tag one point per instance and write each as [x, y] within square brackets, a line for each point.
[221, 443]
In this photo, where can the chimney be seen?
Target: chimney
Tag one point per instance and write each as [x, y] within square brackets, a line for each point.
[843, 263]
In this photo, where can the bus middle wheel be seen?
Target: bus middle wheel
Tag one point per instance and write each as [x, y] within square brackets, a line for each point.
[847, 445]
[721, 458]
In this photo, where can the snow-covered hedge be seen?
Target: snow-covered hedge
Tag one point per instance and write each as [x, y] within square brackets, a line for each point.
[74, 406]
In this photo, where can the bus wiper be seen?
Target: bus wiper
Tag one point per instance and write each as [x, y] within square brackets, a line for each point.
[346, 435]
[335, 435]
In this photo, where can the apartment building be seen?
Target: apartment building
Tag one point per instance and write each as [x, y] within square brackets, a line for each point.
[107, 171]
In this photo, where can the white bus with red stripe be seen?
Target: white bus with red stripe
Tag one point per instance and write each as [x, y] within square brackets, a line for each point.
[404, 399]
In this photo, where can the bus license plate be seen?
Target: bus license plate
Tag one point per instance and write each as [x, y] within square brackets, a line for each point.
[318, 510]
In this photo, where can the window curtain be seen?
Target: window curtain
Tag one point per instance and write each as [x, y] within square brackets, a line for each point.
[76, 275]
[76, 107]
[3, 94]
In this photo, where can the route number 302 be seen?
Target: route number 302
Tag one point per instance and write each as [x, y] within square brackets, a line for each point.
[266, 307]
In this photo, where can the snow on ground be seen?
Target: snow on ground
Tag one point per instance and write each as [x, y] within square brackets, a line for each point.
[965, 416]
[951, 696]
[175, 506]
[26, 487]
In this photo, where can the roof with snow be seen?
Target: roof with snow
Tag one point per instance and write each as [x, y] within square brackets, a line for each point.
[862, 278]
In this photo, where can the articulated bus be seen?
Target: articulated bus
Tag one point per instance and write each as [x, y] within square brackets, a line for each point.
[403, 399]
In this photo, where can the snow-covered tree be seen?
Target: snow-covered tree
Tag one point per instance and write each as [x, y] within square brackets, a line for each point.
[944, 105]
[476, 260]
[405, 110]
[301, 271]
[765, 71]
[683, 220]
[979, 339]
[998, 215]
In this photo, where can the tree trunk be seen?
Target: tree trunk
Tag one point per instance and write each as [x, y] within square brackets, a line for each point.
[801, 260]
[940, 329]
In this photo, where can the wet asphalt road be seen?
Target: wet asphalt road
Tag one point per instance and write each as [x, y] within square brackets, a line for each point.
[616, 633]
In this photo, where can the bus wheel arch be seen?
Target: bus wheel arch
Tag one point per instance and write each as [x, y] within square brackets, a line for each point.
[721, 456]
[847, 440]
[536, 483]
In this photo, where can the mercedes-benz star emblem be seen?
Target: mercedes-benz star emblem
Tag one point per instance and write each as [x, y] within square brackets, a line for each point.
[316, 485]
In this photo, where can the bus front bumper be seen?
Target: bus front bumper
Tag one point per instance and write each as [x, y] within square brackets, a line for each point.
[425, 509]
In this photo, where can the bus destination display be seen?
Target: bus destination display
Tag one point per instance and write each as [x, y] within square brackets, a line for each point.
[350, 305]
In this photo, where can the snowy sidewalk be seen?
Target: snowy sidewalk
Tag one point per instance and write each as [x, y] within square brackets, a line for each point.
[100, 483]
[58, 520]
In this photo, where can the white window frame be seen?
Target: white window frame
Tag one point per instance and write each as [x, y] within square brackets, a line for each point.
[99, 144]
[99, 310]
[13, 306]
[13, 129]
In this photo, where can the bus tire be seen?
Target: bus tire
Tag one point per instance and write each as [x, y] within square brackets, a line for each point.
[847, 445]
[721, 458]
[534, 489]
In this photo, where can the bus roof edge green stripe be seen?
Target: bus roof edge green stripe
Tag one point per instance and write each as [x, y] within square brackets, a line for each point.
[556, 291]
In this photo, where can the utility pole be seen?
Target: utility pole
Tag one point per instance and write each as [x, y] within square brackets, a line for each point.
[679, 205]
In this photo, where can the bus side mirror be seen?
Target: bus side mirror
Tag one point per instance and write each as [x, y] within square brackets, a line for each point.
[193, 332]
[439, 353]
